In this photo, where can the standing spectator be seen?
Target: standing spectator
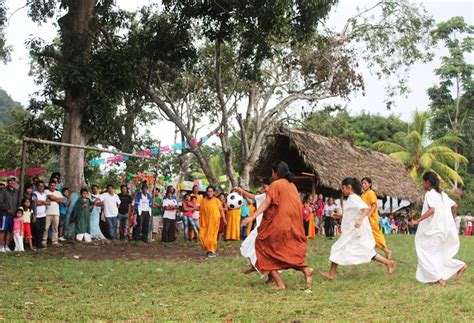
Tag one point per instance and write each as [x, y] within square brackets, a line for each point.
[8, 205]
[328, 219]
[39, 223]
[196, 194]
[393, 225]
[170, 206]
[18, 230]
[157, 214]
[244, 213]
[56, 176]
[306, 214]
[223, 219]
[143, 205]
[80, 216]
[52, 213]
[35, 183]
[457, 222]
[469, 223]
[318, 206]
[196, 214]
[63, 211]
[125, 209]
[29, 194]
[111, 203]
[28, 216]
[96, 233]
[404, 225]
[188, 208]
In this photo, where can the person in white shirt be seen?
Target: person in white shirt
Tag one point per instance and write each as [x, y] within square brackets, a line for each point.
[171, 207]
[41, 200]
[457, 222]
[52, 213]
[111, 203]
[143, 205]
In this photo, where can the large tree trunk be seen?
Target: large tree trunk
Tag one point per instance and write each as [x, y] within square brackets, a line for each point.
[74, 158]
[77, 32]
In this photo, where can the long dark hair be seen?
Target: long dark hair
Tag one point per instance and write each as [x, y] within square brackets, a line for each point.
[433, 179]
[282, 170]
[354, 183]
[368, 180]
[268, 180]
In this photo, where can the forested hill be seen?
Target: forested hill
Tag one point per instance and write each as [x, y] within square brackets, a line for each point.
[7, 106]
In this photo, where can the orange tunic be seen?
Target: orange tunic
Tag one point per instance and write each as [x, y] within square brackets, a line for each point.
[232, 229]
[370, 198]
[209, 219]
[281, 240]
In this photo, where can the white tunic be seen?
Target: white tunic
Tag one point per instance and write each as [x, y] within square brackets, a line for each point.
[355, 245]
[247, 249]
[437, 240]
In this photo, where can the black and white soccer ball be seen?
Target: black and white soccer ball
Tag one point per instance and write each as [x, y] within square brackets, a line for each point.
[234, 201]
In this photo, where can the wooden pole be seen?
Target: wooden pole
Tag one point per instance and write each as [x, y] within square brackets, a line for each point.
[63, 144]
[24, 148]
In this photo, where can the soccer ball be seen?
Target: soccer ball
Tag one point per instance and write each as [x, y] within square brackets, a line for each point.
[234, 201]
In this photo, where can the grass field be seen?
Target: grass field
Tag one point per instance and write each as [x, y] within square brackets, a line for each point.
[59, 287]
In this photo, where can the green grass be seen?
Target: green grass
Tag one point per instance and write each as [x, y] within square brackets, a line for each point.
[42, 287]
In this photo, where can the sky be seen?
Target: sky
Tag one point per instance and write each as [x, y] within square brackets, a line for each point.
[19, 84]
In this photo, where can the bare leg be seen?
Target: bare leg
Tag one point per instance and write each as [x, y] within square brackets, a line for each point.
[331, 274]
[388, 253]
[269, 280]
[461, 272]
[277, 278]
[388, 263]
[30, 243]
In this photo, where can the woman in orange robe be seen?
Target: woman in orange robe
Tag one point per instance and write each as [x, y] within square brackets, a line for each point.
[281, 240]
[370, 198]
[211, 213]
[232, 230]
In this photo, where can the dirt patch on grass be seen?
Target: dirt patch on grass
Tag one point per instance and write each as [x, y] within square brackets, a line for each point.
[133, 250]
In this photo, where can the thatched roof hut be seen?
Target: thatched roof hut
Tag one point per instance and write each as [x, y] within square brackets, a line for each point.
[321, 163]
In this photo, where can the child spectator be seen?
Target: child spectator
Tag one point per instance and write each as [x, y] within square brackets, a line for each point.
[245, 212]
[306, 215]
[194, 200]
[188, 209]
[28, 217]
[18, 230]
[63, 208]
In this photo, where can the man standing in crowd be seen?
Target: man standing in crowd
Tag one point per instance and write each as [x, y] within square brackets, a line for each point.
[8, 205]
[157, 214]
[169, 218]
[52, 213]
[41, 201]
[111, 204]
[125, 209]
[143, 205]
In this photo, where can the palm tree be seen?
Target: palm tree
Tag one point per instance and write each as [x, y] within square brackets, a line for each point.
[419, 155]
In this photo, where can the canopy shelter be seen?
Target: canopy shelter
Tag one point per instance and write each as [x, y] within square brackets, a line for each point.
[321, 163]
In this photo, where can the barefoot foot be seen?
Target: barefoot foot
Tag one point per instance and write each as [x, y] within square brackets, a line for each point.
[461, 272]
[442, 283]
[391, 268]
[327, 275]
[308, 275]
[389, 254]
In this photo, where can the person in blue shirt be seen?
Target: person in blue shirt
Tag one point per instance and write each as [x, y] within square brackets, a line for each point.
[63, 207]
[244, 213]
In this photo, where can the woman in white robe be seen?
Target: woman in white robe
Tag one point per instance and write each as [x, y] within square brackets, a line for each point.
[247, 249]
[356, 244]
[96, 233]
[437, 240]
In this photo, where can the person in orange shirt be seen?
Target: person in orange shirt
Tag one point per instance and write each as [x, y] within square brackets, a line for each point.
[211, 212]
[370, 198]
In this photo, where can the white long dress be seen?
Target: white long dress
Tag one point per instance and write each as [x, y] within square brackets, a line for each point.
[247, 249]
[355, 245]
[437, 240]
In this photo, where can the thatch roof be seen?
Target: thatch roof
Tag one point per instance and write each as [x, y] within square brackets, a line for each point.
[332, 160]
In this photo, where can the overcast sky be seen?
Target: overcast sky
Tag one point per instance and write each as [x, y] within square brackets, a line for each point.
[15, 78]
